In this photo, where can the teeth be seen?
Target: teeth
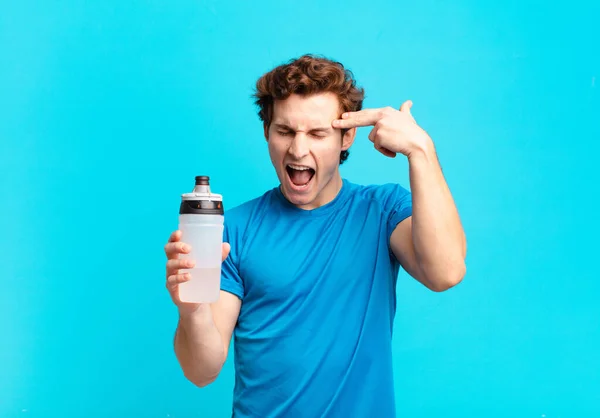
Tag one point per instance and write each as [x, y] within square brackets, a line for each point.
[298, 167]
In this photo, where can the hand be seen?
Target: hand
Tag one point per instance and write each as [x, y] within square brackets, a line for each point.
[174, 277]
[394, 131]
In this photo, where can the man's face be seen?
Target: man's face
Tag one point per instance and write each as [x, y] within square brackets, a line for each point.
[305, 148]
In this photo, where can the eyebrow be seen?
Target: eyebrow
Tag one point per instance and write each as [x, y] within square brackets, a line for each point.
[318, 129]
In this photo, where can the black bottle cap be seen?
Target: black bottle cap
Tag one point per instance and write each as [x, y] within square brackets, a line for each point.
[202, 180]
[200, 202]
[201, 207]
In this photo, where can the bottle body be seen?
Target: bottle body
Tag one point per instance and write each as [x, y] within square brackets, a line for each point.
[204, 233]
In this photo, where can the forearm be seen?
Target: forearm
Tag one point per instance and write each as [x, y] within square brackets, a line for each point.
[438, 237]
[199, 347]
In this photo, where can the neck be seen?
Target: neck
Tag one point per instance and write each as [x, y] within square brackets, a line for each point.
[327, 194]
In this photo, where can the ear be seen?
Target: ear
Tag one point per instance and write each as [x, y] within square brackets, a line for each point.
[266, 131]
[348, 139]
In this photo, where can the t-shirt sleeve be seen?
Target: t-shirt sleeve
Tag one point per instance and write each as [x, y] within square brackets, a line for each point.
[231, 280]
[398, 206]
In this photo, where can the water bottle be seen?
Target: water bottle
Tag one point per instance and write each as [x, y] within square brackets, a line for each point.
[201, 223]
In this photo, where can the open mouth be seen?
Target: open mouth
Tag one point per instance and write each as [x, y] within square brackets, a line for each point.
[299, 175]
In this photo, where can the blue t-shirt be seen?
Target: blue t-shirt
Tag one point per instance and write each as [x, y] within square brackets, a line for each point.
[314, 334]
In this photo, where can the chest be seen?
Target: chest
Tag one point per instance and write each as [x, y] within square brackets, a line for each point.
[296, 259]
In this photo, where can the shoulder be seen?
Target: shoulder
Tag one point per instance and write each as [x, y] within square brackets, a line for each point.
[239, 216]
[387, 195]
[392, 200]
[243, 221]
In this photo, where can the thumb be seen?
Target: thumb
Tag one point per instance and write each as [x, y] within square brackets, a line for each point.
[406, 106]
[225, 251]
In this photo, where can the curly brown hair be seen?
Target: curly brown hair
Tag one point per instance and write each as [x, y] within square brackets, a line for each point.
[306, 75]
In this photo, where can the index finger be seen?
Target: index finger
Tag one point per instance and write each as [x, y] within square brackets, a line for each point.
[173, 246]
[173, 249]
[365, 117]
[175, 236]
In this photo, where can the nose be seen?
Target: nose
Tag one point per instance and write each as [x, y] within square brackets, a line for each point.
[299, 147]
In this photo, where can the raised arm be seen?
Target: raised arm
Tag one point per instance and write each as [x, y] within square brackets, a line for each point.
[431, 244]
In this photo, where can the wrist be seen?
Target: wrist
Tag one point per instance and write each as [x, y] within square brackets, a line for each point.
[423, 150]
[200, 315]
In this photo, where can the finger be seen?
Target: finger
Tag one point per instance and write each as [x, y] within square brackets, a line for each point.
[373, 135]
[179, 264]
[385, 151]
[175, 236]
[173, 249]
[225, 251]
[366, 117]
[176, 279]
[406, 106]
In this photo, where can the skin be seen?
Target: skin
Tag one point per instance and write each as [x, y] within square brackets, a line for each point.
[301, 133]
[306, 131]
[431, 244]
[204, 331]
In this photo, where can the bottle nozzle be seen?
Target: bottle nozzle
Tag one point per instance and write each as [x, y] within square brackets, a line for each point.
[201, 201]
[202, 180]
[202, 184]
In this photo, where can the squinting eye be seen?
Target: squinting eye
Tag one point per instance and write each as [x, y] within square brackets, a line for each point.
[283, 133]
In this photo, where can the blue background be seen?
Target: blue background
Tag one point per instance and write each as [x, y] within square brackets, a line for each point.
[109, 109]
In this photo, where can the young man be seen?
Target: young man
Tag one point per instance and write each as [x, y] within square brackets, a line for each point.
[310, 267]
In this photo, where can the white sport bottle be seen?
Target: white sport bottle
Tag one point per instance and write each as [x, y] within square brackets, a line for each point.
[201, 223]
